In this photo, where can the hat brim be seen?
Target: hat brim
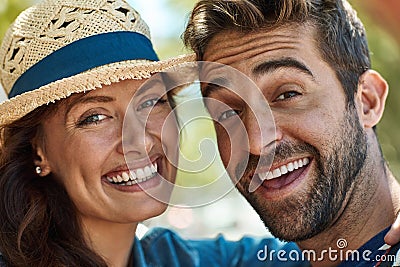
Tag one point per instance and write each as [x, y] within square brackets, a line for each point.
[18, 106]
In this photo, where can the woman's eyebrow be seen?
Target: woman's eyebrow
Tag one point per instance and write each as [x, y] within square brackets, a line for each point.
[88, 99]
[150, 84]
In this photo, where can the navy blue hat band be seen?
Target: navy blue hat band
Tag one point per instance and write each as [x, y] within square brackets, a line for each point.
[83, 55]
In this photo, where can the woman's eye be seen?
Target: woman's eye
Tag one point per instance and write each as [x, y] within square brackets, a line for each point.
[92, 119]
[227, 114]
[151, 103]
[287, 95]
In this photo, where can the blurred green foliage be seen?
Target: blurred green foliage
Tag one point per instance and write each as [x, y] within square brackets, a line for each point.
[9, 10]
[385, 58]
[173, 46]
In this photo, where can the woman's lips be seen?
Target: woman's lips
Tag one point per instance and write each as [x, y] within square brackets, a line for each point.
[136, 179]
[153, 181]
[133, 176]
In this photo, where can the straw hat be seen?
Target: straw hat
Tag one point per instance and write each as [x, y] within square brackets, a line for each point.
[60, 47]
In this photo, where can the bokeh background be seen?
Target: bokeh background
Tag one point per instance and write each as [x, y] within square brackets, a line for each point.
[230, 214]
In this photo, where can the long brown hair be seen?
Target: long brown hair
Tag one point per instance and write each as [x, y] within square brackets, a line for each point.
[38, 221]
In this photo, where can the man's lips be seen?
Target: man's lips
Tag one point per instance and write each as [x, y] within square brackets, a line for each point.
[281, 178]
[287, 168]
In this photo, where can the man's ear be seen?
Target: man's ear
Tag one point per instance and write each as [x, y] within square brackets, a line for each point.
[42, 166]
[372, 93]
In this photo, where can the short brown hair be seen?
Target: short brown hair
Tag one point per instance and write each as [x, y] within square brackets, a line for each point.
[340, 34]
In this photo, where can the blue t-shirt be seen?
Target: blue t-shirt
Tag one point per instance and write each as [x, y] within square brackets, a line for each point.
[375, 253]
[164, 248]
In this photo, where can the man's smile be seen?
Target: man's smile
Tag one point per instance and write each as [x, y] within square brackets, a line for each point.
[284, 179]
[283, 169]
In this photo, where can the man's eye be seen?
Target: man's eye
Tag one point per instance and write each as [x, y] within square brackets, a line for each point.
[151, 103]
[287, 95]
[227, 114]
[92, 119]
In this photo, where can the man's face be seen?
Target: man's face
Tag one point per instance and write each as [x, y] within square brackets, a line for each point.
[319, 143]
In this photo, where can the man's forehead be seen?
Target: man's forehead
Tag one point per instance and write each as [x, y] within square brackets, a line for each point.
[230, 46]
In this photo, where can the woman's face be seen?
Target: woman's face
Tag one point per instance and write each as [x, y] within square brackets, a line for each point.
[107, 171]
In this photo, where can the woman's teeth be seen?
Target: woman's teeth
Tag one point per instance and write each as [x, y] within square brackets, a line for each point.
[136, 176]
[284, 169]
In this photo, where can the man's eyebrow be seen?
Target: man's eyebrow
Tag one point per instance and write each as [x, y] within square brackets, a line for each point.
[88, 99]
[274, 65]
[214, 85]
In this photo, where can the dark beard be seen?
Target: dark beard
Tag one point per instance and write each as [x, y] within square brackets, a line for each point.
[311, 211]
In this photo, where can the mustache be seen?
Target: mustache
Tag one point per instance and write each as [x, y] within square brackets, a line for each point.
[281, 152]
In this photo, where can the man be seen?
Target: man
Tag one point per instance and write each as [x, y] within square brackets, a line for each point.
[328, 186]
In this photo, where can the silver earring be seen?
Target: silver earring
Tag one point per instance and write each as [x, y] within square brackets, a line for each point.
[38, 170]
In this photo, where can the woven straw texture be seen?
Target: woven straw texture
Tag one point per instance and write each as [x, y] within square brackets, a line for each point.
[51, 25]
[45, 28]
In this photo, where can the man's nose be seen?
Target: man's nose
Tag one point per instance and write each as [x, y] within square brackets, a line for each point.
[261, 131]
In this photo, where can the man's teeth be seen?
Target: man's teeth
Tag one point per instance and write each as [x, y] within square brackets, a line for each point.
[284, 169]
[136, 176]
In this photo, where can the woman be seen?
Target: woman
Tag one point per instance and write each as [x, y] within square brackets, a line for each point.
[69, 197]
